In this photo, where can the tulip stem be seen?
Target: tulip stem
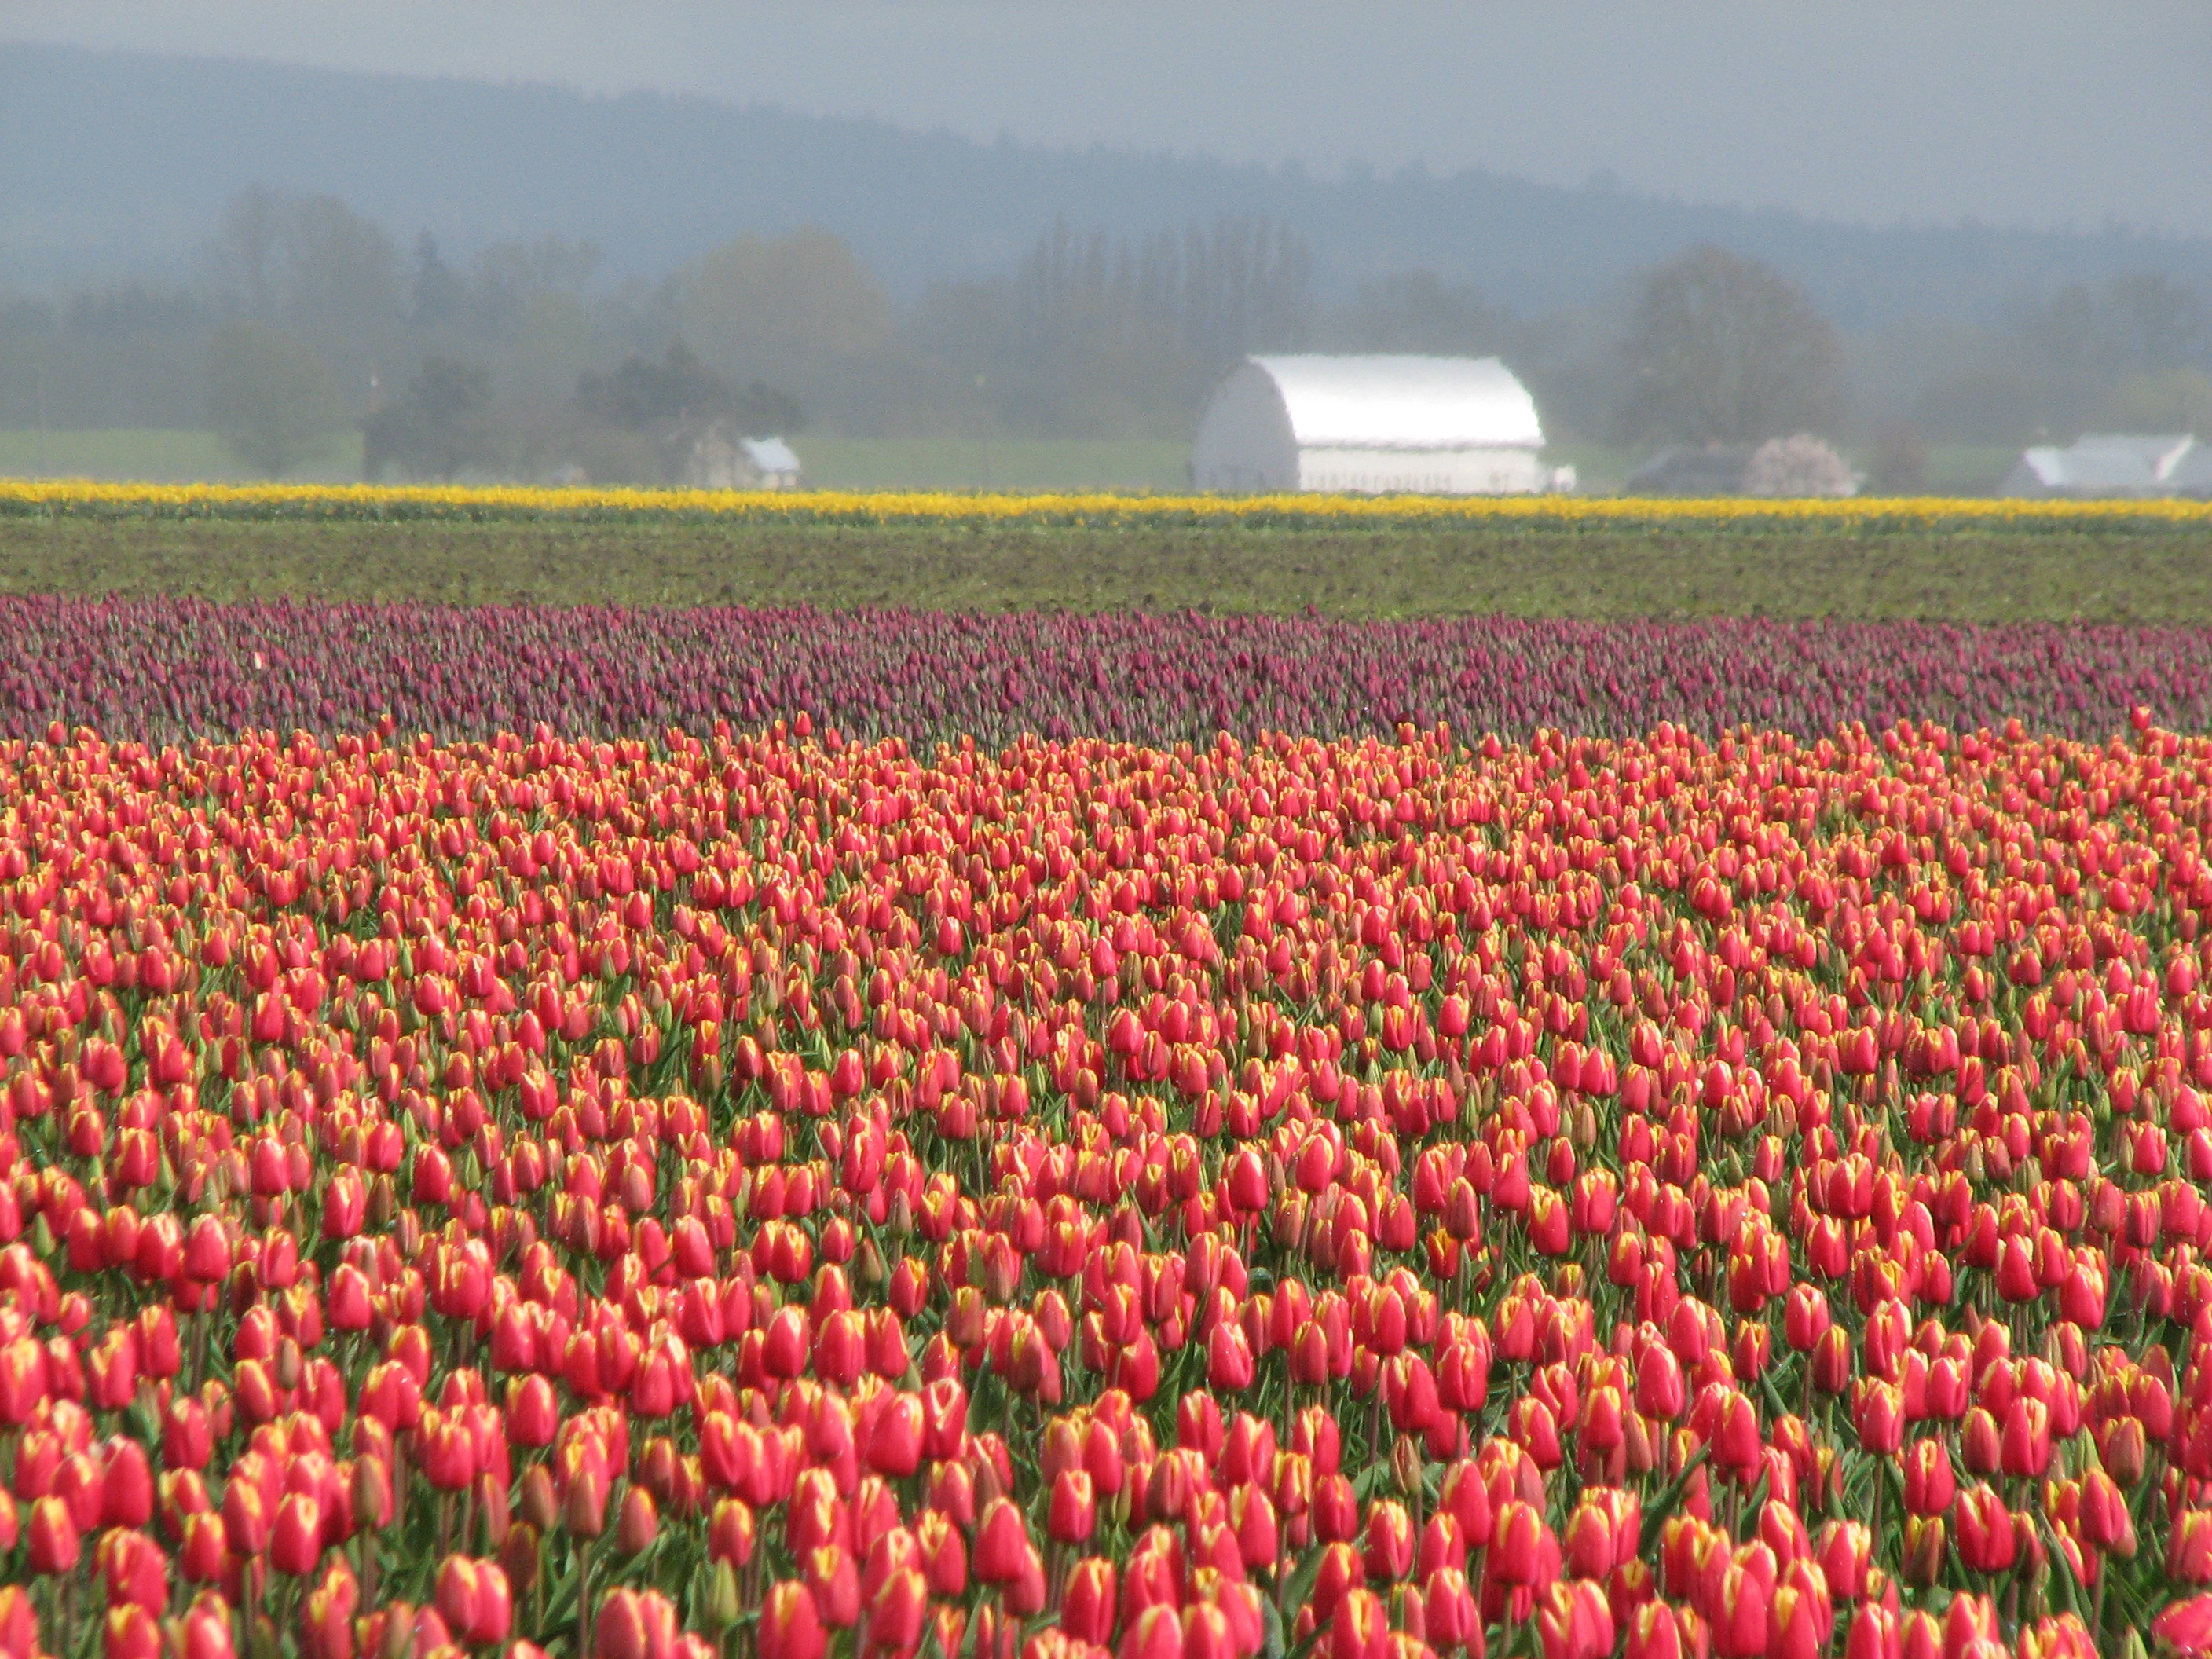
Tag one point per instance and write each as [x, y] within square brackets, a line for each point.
[583, 1597]
[367, 1537]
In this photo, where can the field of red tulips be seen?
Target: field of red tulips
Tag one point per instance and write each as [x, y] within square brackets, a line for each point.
[779, 1197]
[169, 670]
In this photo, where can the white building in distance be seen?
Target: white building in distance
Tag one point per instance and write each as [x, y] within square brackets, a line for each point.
[2114, 464]
[1438, 426]
[722, 460]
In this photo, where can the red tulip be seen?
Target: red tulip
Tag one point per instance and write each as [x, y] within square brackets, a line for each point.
[1988, 1536]
[133, 1570]
[532, 1414]
[206, 1548]
[1087, 1605]
[2185, 1627]
[790, 1627]
[295, 1542]
[1929, 1485]
[207, 1629]
[127, 1486]
[53, 1537]
[1229, 1359]
[895, 1441]
[639, 1524]
[1877, 1413]
[1359, 1628]
[132, 1633]
[1074, 1510]
[1001, 1542]
[207, 1251]
[896, 1614]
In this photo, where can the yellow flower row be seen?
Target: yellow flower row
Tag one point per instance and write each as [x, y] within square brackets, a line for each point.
[85, 497]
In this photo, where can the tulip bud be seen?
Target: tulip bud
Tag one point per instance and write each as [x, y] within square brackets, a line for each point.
[1925, 1549]
[519, 1557]
[639, 1524]
[584, 1510]
[722, 1606]
[1979, 1443]
[537, 1502]
[2122, 1452]
[1405, 1464]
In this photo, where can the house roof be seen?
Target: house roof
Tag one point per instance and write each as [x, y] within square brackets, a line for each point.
[2102, 461]
[1403, 403]
[1712, 470]
[769, 454]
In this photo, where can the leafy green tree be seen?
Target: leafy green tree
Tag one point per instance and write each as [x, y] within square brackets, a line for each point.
[272, 399]
[1724, 350]
[799, 311]
[441, 425]
[642, 392]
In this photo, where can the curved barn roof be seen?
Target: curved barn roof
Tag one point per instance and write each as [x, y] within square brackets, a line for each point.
[1404, 402]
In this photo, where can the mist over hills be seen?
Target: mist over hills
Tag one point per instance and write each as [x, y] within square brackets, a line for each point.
[117, 164]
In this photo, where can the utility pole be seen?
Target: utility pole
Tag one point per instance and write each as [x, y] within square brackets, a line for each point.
[984, 442]
[41, 377]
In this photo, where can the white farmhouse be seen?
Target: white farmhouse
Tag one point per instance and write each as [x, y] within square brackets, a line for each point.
[722, 460]
[1440, 426]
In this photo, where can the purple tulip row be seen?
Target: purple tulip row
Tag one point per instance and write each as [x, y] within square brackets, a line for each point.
[163, 669]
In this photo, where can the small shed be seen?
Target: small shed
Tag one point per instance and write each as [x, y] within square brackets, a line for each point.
[1369, 425]
[2114, 464]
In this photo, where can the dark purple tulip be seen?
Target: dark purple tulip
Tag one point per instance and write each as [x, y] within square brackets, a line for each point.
[162, 670]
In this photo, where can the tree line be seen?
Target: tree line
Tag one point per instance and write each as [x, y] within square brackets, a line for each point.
[308, 321]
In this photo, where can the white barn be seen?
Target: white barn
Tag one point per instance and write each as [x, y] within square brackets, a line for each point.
[1441, 425]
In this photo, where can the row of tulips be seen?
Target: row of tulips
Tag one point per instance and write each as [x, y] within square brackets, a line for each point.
[750, 1197]
[44, 498]
[172, 669]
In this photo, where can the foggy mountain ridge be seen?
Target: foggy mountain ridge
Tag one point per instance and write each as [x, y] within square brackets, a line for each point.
[116, 164]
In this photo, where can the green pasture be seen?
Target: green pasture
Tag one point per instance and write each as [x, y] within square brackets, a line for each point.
[2116, 571]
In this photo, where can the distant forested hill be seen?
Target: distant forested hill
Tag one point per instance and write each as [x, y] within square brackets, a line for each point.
[114, 165]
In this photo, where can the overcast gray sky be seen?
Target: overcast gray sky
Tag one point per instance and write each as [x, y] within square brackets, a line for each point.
[2045, 112]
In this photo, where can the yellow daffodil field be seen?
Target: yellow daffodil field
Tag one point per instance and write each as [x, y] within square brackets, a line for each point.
[372, 502]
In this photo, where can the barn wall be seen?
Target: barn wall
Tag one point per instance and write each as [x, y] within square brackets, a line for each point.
[1424, 472]
[1243, 445]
